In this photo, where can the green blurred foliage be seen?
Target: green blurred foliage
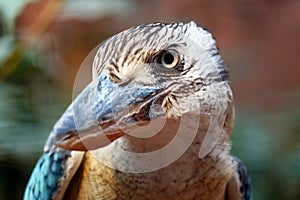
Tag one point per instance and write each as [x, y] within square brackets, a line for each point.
[269, 145]
[30, 103]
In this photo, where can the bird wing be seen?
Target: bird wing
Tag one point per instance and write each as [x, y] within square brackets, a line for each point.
[239, 186]
[52, 174]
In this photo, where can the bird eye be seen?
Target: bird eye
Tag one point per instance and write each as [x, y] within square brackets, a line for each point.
[169, 59]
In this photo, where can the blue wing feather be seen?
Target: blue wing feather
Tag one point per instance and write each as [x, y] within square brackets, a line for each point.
[44, 180]
[245, 180]
[239, 186]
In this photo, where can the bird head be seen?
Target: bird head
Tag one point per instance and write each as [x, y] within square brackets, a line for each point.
[148, 72]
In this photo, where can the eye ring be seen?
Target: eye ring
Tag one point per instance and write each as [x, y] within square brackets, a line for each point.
[169, 59]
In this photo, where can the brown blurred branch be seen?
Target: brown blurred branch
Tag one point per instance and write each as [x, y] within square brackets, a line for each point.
[45, 12]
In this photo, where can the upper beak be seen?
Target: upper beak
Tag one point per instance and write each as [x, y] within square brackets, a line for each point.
[104, 111]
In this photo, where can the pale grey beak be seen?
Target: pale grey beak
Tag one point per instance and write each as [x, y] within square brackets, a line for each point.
[103, 110]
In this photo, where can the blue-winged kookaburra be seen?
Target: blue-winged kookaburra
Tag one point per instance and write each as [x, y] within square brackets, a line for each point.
[154, 123]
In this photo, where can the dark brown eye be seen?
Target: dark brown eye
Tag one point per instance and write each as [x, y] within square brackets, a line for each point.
[169, 59]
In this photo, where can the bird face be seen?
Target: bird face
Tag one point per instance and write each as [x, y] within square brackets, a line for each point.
[144, 73]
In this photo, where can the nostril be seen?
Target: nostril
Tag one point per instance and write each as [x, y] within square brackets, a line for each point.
[106, 117]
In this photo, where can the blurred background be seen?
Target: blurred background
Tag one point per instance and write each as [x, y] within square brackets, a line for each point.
[44, 42]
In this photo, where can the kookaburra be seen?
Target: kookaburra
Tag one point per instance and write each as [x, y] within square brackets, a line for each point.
[154, 123]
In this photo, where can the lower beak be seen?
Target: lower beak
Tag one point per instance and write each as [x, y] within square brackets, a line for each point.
[105, 111]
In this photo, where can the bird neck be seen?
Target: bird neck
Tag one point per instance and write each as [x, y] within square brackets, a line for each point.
[186, 132]
[175, 138]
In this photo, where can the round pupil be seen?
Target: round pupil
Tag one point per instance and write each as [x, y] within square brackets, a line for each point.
[168, 58]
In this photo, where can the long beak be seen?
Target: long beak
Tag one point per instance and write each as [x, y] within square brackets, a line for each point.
[104, 111]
